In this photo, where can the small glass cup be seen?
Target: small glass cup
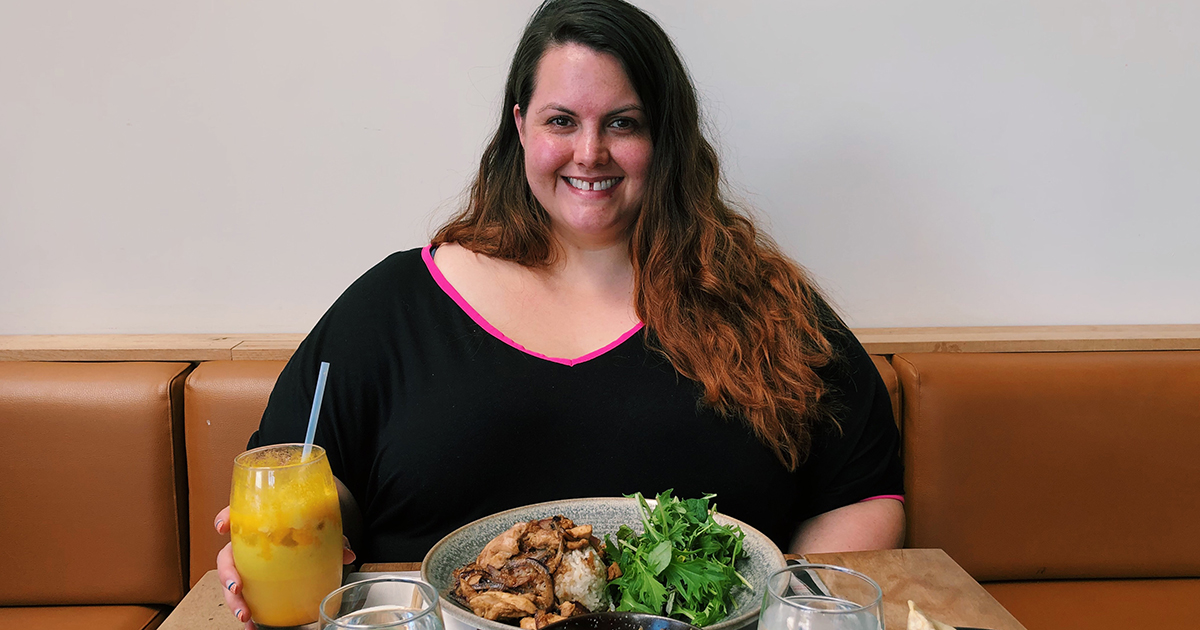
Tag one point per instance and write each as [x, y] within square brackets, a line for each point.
[391, 602]
[821, 597]
[286, 528]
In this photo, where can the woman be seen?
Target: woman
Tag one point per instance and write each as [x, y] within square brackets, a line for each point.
[597, 321]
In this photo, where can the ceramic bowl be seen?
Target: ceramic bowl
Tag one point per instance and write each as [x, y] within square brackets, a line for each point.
[605, 515]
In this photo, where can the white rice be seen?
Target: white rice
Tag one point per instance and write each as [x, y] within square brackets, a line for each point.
[582, 578]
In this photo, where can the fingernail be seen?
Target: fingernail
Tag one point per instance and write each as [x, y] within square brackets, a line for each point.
[219, 523]
[238, 613]
[231, 586]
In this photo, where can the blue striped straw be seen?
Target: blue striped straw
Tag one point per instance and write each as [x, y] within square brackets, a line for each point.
[316, 410]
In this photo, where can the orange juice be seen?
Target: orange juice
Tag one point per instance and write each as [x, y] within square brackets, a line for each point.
[286, 528]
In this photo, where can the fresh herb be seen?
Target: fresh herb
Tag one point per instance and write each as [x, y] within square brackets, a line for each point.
[682, 565]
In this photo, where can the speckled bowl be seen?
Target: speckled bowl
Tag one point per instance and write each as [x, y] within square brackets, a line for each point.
[605, 515]
[620, 621]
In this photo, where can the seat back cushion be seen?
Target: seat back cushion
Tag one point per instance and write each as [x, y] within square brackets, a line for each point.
[223, 403]
[1054, 465]
[91, 497]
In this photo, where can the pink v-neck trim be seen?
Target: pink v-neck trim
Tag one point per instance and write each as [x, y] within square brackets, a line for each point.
[427, 256]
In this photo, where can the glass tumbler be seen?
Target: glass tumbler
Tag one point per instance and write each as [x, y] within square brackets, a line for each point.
[286, 528]
[821, 597]
[382, 602]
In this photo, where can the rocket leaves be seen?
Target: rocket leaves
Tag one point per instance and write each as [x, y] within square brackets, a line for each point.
[681, 566]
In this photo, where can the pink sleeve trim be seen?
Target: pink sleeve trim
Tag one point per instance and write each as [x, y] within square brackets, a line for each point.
[427, 256]
[898, 497]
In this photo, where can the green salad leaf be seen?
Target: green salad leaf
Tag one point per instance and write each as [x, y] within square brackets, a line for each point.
[682, 565]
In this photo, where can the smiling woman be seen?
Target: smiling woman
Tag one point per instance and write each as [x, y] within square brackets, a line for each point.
[598, 320]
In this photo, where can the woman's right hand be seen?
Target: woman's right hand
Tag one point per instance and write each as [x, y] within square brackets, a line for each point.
[231, 582]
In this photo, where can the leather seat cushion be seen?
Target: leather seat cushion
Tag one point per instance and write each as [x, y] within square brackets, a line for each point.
[223, 403]
[1100, 604]
[82, 617]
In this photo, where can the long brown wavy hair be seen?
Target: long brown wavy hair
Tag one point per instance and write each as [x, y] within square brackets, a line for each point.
[718, 298]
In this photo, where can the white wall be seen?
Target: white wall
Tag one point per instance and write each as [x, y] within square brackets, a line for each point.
[179, 166]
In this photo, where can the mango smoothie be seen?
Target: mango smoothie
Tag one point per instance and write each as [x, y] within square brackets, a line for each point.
[286, 528]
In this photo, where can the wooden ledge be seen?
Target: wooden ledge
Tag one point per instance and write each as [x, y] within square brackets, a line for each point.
[267, 347]
[279, 347]
[1030, 338]
[117, 347]
[181, 347]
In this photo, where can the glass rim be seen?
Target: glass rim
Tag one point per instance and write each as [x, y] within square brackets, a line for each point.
[828, 567]
[315, 454]
[425, 587]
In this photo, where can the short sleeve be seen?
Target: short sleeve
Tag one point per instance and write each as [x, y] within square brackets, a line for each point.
[350, 337]
[860, 457]
[285, 419]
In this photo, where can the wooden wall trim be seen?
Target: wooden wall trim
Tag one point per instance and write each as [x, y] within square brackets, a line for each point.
[117, 347]
[1030, 338]
[262, 347]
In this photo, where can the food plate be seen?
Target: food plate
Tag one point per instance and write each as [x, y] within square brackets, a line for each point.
[605, 515]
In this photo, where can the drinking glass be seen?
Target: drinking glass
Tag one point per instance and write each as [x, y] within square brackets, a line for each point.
[821, 597]
[286, 527]
[382, 602]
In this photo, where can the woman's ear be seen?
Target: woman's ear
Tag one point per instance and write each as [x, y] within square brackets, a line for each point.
[520, 123]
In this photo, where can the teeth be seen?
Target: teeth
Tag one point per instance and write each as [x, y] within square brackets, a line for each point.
[600, 185]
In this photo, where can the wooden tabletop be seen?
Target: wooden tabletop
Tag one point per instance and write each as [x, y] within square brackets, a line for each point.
[932, 580]
[203, 608]
[929, 577]
[387, 567]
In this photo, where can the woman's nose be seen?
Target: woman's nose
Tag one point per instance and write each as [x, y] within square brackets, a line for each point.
[591, 149]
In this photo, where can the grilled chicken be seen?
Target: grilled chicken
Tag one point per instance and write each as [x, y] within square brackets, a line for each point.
[512, 579]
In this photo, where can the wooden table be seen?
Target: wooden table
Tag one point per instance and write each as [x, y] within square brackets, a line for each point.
[203, 607]
[927, 576]
[932, 580]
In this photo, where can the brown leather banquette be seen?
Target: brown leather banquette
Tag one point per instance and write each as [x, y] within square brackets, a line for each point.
[1068, 483]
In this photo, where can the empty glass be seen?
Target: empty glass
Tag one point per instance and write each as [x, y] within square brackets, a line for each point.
[382, 602]
[821, 597]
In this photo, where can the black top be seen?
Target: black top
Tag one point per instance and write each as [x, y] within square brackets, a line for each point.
[432, 420]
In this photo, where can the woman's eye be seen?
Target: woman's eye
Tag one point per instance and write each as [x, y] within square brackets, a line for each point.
[559, 121]
[624, 124]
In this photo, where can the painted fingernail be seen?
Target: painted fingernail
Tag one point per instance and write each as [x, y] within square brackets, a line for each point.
[231, 587]
[238, 613]
[220, 523]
